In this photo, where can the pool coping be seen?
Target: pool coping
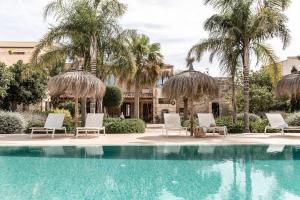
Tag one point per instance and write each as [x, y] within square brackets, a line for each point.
[149, 139]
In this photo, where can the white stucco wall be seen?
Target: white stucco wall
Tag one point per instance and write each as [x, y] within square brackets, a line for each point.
[288, 64]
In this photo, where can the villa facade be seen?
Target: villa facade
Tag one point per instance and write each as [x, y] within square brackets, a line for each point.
[153, 104]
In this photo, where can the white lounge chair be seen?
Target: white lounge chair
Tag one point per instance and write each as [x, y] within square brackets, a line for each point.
[206, 120]
[276, 121]
[53, 122]
[93, 123]
[172, 122]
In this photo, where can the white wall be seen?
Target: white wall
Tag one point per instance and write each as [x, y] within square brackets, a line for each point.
[288, 64]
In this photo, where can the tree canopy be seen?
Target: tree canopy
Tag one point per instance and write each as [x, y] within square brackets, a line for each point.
[5, 79]
[113, 97]
[28, 85]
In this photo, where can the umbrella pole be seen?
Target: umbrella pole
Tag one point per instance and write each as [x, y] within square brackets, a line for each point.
[76, 112]
[192, 118]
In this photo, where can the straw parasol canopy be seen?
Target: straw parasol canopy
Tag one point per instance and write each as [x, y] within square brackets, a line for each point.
[190, 84]
[76, 83]
[289, 86]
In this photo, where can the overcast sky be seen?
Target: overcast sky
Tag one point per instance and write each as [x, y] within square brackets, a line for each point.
[176, 24]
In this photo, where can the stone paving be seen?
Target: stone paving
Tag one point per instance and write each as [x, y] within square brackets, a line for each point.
[151, 137]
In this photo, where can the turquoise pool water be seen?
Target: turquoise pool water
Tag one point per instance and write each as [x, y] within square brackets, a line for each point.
[150, 172]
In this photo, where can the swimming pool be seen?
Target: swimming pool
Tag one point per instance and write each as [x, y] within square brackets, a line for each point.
[150, 172]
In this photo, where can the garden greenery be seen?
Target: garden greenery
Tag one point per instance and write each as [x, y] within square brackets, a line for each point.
[262, 94]
[113, 97]
[28, 86]
[116, 125]
[11, 122]
[5, 78]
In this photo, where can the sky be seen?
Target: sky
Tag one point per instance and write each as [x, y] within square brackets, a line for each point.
[175, 24]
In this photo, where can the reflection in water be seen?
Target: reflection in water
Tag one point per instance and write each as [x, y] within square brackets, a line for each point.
[151, 172]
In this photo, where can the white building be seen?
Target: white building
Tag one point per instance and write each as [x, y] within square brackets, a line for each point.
[289, 64]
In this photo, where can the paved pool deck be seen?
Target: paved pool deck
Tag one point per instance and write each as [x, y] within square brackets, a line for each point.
[151, 137]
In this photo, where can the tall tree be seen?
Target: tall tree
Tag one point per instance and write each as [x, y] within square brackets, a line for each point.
[87, 29]
[251, 22]
[148, 60]
[28, 85]
[227, 51]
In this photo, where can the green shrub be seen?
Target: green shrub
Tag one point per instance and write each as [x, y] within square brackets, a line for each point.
[293, 119]
[68, 105]
[11, 122]
[115, 125]
[258, 126]
[187, 123]
[252, 117]
[68, 121]
[227, 121]
[113, 97]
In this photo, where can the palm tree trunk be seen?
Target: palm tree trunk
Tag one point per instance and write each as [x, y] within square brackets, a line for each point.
[83, 110]
[246, 63]
[234, 117]
[93, 55]
[99, 106]
[185, 108]
[137, 102]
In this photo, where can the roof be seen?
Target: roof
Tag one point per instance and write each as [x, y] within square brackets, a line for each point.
[18, 44]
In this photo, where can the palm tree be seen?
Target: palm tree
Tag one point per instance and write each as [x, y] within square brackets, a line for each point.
[228, 53]
[251, 23]
[78, 23]
[96, 19]
[148, 60]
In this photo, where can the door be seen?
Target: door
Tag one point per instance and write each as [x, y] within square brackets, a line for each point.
[147, 112]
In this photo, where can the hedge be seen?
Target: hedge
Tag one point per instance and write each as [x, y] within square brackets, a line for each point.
[116, 125]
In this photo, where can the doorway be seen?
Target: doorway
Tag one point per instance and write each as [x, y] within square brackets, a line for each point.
[147, 112]
[126, 109]
[215, 107]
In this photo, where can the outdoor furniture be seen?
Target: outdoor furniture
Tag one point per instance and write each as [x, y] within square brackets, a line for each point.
[276, 121]
[207, 122]
[54, 122]
[173, 123]
[93, 123]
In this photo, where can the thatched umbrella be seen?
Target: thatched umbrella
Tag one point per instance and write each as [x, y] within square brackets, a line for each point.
[289, 86]
[76, 83]
[190, 84]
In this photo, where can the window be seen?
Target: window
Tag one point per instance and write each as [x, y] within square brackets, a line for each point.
[16, 53]
[164, 101]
